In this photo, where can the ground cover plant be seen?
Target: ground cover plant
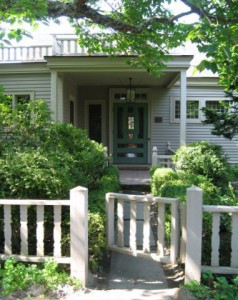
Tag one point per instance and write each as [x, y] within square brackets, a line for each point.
[42, 159]
[214, 287]
[18, 276]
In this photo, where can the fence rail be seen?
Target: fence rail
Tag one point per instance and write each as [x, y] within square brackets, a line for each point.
[130, 209]
[78, 204]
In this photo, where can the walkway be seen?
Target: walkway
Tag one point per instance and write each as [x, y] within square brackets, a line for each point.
[132, 278]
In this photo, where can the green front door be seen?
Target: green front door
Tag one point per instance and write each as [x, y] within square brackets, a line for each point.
[130, 133]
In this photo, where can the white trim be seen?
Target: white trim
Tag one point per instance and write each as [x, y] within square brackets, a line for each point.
[86, 118]
[183, 107]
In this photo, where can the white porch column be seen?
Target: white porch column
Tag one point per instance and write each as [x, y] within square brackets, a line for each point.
[60, 99]
[54, 108]
[183, 107]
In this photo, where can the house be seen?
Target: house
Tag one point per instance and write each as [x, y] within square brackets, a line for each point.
[127, 109]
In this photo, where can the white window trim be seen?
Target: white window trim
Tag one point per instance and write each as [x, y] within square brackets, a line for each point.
[202, 103]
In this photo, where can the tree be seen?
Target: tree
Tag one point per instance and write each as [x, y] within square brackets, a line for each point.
[147, 28]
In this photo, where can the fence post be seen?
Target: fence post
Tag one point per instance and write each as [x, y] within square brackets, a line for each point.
[79, 233]
[110, 219]
[154, 156]
[194, 234]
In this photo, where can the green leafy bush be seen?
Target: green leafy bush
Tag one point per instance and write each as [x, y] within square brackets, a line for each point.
[40, 159]
[18, 276]
[168, 183]
[216, 288]
[202, 158]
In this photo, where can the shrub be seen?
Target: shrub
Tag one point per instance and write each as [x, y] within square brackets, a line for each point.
[171, 184]
[202, 158]
[40, 159]
[18, 276]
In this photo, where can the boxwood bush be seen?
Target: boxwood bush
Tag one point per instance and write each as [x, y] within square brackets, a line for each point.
[203, 158]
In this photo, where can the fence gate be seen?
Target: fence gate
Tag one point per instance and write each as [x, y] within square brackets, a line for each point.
[139, 225]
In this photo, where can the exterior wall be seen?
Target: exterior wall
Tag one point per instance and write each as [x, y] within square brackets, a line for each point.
[40, 84]
[166, 131]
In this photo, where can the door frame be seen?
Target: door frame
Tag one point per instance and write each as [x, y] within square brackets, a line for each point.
[86, 116]
[112, 100]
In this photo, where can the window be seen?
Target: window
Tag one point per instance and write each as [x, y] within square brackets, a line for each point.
[19, 97]
[194, 113]
[215, 105]
[192, 110]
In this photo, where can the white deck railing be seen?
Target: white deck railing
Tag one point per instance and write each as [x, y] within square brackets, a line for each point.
[61, 45]
[116, 234]
[161, 160]
[78, 204]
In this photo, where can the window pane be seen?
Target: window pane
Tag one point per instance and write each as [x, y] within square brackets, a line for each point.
[131, 123]
[214, 105]
[192, 109]
[22, 99]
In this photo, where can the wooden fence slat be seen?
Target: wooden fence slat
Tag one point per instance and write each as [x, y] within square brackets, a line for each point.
[40, 231]
[146, 228]
[160, 229]
[133, 226]
[57, 230]
[215, 239]
[7, 229]
[120, 224]
[23, 230]
[234, 241]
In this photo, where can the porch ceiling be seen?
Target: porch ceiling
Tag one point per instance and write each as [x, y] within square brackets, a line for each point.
[120, 79]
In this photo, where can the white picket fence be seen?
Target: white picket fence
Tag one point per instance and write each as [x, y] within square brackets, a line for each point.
[78, 204]
[186, 239]
[192, 236]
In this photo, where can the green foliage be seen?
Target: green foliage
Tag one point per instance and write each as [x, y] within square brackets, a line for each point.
[204, 159]
[109, 182]
[225, 121]
[216, 288]
[233, 173]
[159, 177]
[42, 159]
[18, 276]
[167, 183]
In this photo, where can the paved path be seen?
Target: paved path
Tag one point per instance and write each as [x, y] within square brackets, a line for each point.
[132, 278]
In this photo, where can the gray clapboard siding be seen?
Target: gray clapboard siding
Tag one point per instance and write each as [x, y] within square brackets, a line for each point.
[166, 131]
[39, 83]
